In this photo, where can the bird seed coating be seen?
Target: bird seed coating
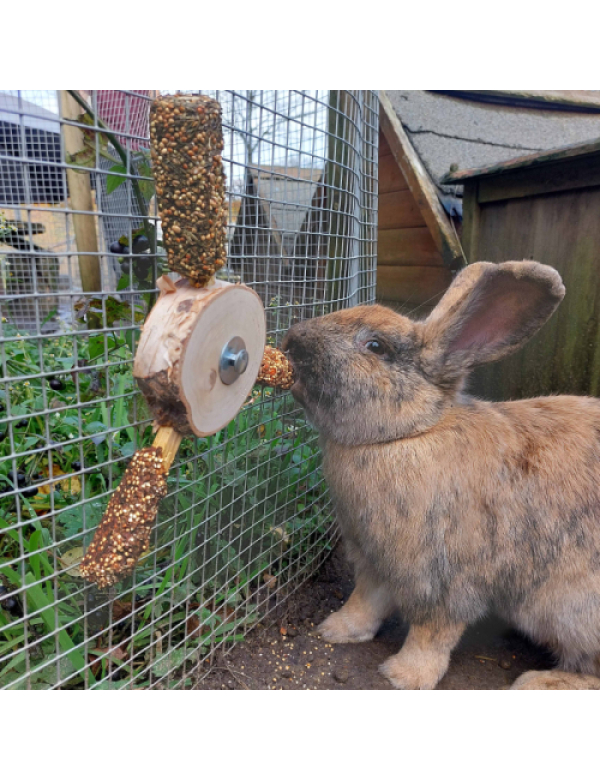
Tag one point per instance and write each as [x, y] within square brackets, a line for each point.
[124, 532]
[186, 139]
[275, 370]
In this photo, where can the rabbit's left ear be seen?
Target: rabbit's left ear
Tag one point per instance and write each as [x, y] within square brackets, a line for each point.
[488, 312]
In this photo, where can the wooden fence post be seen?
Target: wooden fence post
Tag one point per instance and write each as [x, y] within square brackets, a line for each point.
[80, 192]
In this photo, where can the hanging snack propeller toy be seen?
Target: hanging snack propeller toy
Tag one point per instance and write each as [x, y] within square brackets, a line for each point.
[203, 344]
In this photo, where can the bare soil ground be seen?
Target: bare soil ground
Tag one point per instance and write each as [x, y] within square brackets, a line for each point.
[285, 651]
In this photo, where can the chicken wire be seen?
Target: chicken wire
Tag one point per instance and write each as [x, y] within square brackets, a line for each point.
[247, 517]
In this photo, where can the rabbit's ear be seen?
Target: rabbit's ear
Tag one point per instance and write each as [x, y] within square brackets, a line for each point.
[488, 312]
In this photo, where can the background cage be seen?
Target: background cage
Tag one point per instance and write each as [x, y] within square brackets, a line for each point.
[247, 518]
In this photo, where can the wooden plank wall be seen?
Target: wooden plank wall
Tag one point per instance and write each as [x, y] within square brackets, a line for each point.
[411, 275]
[562, 230]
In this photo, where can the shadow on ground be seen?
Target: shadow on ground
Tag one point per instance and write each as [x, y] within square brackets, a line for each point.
[285, 652]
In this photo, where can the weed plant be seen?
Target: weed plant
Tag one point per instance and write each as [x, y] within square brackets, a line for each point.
[246, 513]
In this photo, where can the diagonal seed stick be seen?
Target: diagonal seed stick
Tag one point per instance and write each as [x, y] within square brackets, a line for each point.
[123, 534]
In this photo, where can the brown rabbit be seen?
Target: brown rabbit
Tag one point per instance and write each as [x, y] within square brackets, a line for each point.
[451, 507]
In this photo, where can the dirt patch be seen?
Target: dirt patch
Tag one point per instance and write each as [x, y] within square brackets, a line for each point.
[285, 652]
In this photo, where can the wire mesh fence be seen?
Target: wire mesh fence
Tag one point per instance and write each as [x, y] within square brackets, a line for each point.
[247, 517]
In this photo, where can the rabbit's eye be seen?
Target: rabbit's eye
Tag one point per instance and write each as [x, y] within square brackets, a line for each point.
[375, 346]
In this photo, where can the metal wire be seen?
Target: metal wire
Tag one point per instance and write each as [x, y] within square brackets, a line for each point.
[247, 518]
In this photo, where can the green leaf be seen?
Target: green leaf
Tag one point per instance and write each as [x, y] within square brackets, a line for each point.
[96, 427]
[39, 601]
[147, 189]
[168, 662]
[85, 157]
[96, 347]
[144, 168]
[69, 421]
[112, 180]
[17, 661]
[128, 449]
[124, 282]
[5, 647]
[122, 310]
[71, 520]
[109, 685]
[49, 676]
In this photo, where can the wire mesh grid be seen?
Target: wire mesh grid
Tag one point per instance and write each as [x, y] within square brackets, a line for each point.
[247, 517]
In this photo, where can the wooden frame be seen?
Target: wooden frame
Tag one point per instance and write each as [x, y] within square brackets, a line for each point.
[420, 185]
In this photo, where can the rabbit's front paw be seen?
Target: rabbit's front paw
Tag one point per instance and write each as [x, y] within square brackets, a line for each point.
[424, 657]
[342, 627]
[410, 676]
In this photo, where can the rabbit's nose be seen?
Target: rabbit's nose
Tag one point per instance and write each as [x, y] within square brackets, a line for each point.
[293, 338]
[296, 344]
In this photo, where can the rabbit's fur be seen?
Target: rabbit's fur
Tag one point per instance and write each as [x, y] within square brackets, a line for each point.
[450, 506]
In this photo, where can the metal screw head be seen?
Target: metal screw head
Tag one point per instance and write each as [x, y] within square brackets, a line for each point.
[234, 360]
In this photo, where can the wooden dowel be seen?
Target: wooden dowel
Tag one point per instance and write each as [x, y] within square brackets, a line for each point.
[169, 440]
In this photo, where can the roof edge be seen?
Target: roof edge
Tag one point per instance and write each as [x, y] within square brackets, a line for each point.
[527, 161]
[548, 100]
[421, 185]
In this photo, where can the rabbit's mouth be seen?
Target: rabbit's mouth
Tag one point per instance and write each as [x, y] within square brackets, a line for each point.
[297, 350]
[297, 389]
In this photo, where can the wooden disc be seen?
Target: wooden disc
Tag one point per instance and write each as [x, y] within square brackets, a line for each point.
[234, 310]
[177, 363]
